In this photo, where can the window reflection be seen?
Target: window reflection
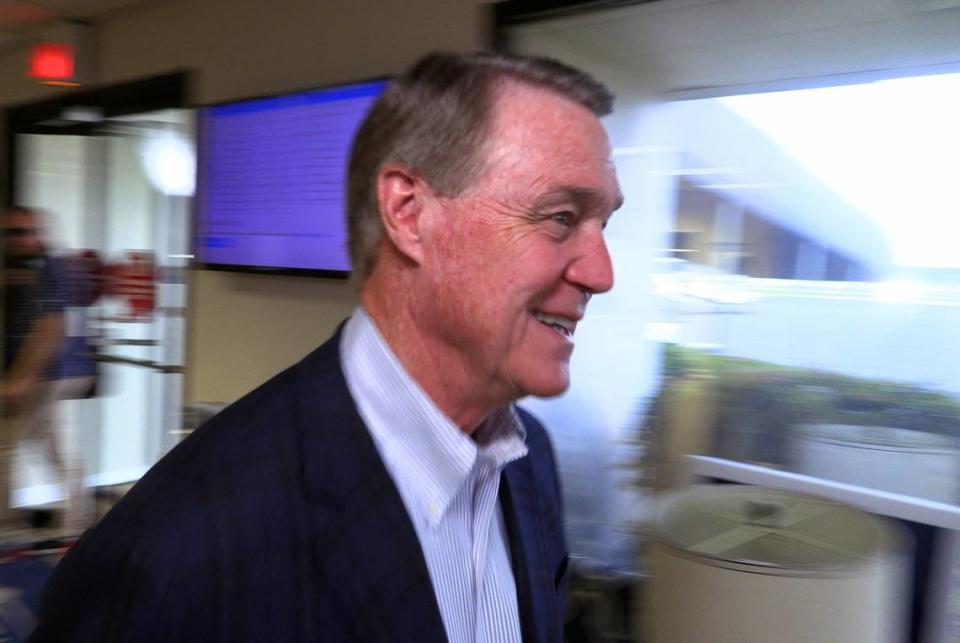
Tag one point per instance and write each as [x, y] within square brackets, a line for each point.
[810, 289]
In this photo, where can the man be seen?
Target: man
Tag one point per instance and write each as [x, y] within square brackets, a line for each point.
[385, 488]
[34, 301]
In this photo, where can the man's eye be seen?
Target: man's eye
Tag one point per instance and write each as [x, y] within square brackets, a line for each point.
[565, 219]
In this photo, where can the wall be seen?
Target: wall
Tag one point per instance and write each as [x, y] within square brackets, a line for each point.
[243, 328]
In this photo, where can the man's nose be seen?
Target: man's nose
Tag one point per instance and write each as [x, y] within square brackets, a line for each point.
[592, 270]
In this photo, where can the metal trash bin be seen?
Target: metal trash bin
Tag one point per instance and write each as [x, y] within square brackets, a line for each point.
[908, 462]
[738, 564]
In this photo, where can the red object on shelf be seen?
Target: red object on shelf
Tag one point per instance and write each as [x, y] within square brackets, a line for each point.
[133, 281]
[140, 279]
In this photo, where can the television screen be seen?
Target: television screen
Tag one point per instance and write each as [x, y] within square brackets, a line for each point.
[272, 187]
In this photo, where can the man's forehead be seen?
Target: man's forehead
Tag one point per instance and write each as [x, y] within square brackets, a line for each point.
[513, 100]
[553, 147]
[538, 118]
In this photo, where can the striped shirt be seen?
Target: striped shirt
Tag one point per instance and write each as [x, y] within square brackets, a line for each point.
[449, 485]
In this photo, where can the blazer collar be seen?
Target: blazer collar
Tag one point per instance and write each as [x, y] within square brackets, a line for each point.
[363, 537]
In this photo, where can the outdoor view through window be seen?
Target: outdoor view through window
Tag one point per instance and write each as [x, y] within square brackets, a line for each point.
[811, 290]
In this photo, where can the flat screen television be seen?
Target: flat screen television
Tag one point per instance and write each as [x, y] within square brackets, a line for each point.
[271, 191]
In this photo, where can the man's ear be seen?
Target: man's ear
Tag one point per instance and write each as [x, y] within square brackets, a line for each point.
[402, 195]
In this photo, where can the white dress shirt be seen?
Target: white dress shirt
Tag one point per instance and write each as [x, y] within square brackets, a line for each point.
[449, 485]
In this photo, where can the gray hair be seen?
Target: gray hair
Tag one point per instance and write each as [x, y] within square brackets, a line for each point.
[433, 119]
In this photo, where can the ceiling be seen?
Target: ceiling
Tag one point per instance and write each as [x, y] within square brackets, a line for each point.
[694, 45]
[20, 18]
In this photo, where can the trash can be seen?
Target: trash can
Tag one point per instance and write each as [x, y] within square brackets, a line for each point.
[740, 564]
[909, 462]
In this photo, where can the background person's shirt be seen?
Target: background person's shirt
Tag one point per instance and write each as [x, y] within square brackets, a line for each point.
[37, 288]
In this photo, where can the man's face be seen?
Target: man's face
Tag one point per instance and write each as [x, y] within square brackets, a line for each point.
[514, 259]
[21, 238]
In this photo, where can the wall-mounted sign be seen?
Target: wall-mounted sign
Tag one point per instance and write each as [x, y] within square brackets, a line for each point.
[63, 55]
[52, 63]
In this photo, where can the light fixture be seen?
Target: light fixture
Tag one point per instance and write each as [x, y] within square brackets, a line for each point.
[170, 162]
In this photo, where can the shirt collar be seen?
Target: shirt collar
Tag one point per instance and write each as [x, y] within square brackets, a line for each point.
[419, 444]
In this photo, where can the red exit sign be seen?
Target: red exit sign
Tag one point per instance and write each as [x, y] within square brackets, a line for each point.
[52, 63]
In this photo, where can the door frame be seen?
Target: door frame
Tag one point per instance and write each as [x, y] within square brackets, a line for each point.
[167, 91]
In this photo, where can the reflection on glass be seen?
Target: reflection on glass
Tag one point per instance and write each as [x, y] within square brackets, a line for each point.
[811, 290]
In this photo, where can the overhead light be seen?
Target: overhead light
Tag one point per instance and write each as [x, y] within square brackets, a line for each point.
[170, 163]
[82, 114]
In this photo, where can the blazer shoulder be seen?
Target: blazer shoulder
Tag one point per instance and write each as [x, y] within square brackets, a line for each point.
[229, 458]
[264, 415]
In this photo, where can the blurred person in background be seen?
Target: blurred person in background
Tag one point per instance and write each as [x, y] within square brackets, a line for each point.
[83, 272]
[37, 370]
[386, 488]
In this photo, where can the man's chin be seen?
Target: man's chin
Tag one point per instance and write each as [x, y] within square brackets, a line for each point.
[549, 387]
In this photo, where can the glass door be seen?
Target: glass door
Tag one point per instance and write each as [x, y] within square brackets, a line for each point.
[120, 195]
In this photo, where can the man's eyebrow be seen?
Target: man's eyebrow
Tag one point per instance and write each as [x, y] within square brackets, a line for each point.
[581, 195]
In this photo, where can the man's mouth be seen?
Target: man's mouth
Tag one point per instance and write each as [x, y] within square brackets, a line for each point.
[563, 326]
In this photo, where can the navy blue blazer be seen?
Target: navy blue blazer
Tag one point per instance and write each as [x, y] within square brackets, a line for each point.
[277, 522]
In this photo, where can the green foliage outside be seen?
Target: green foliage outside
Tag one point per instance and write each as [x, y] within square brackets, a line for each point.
[765, 395]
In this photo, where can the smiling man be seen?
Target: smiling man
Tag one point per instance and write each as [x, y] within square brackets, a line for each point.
[386, 488]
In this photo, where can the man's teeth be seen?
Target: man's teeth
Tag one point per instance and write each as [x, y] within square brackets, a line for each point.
[562, 325]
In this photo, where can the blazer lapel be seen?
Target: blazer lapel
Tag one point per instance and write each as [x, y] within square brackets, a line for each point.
[364, 539]
[521, 512]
